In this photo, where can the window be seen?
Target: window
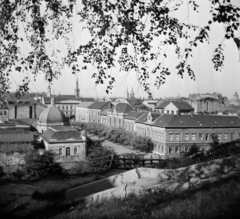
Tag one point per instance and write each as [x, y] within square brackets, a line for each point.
[232, 136]
[162, 148]
[186, 137]
[186, 148]
[5, 112]
[170, 150]
[194, 137]
[206, 136]
[176, 149]
[66, 107]
[177, 136]
[172, 112]
[170, 137]
[225, 136]
[200, 136]
[219, 136]
[68, 151]
[75, 150]
[60, 151]
[0, 112]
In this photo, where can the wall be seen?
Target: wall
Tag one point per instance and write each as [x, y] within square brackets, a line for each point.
[137, 180]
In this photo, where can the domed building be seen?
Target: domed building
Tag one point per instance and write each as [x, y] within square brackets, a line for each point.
[51, 117]
[58, 136]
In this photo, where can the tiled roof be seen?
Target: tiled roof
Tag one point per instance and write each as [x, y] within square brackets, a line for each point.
[197, 121]
[162, 105]
[133, 115]
[14, 137]
[104, 113]
[182, 105]
[98, 105]
[84, 104]
[143, 118]
[61, 136]
[124, 108]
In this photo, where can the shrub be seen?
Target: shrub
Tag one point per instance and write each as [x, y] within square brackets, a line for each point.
[39, 165]
[99, 159]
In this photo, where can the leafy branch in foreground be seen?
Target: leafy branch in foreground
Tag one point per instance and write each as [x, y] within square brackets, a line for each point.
[37, 37]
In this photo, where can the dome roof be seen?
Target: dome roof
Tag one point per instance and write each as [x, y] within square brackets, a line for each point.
[53, 115]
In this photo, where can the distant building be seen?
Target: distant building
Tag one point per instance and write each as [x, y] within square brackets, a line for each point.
[117, 114]
[151, 104]
[143, 123]
[51, 117]
[96, 109]
[66, 103]
[66, 142]
[24, 108]
[58, 136]
[174, 134]
[129, 120]
[206, 102]
[82, 112]
[175, 107]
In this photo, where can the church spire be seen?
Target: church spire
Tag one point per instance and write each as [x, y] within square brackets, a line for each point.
[77, 91]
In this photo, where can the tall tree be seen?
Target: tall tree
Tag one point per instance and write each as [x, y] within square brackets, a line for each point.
[128, 33]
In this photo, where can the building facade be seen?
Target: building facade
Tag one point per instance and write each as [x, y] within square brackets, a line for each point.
[117, 114]
[96, 109]
[172, 134]
[82, 112]
[66, 142]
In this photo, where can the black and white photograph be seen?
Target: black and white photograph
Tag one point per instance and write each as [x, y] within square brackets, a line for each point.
[119, 109]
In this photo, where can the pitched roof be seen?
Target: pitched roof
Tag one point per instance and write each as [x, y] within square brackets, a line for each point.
[182, 105]
[196, 121]
[84, 104]
[133, 115]
[104, 112]
[162, 105]
[64, 135]
[143, 118]
[98, 105]
[16, 137]
[124, 108]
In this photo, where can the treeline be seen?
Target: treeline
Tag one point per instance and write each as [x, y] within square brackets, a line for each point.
[119, 135]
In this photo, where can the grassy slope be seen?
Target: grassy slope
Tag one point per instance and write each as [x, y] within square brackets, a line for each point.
[218, 200]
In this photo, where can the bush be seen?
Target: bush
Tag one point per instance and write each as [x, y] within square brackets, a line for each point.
[39, 165]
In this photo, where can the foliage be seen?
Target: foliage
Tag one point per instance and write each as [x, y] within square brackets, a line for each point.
[119, 135]
[192, 150]
[215, 140]
[132, 34]
[212, 200]
[142, 144]
[39, 165]
[99, 159]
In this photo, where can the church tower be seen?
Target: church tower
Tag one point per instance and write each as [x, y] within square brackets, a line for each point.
[127, 94]
[49, 90]
[76, 90]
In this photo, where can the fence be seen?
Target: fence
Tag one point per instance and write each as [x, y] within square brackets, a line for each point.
[129, 163]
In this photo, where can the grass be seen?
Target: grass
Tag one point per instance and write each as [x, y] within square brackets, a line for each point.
[218, 200]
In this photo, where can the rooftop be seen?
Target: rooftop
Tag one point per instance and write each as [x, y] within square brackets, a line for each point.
[197, 121]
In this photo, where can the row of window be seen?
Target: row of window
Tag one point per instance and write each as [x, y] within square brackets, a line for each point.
[3, 112]
[66, 107]
[201, 136]
[68, 151]
[129, 127]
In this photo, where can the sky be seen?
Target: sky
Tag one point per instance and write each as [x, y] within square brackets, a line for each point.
[207, 79]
